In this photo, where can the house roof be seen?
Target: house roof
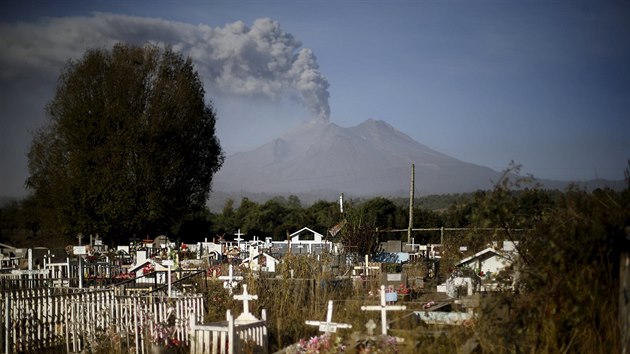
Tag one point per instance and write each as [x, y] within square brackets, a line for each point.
[480, 254]
[302, 229]
[3, 245]
[158, 266]
[274, 259]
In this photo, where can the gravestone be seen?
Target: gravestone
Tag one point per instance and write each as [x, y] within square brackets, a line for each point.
[370, 325]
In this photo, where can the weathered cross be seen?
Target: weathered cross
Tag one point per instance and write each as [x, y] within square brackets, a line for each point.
[230, 281]
[366, 267]
[370, 325]
[328, 325]
[383, 307]
[245, 297]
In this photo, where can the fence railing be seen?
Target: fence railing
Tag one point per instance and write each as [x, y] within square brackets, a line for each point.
[229, 337]
[139, 321]
[38, 319]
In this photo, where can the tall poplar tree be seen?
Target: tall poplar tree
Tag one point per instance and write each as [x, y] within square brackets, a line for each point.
[130, 145]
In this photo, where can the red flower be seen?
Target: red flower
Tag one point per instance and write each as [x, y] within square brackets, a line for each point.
[148, 269]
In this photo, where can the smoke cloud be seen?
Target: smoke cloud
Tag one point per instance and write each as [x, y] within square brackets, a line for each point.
[261, 60]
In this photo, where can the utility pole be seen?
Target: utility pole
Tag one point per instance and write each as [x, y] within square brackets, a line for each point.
[411, 196]
[341, 203]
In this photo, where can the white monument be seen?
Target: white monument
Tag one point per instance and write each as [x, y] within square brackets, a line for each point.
[246, 316]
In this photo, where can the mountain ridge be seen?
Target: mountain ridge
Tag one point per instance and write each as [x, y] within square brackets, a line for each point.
[372, 158]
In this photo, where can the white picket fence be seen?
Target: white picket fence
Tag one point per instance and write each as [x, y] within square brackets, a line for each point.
[34, 320]
[133, 321]
[229, 337]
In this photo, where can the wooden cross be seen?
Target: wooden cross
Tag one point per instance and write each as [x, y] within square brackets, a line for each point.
[246, 316]
[383, 307]
[80, 237]
[230, 281]
[328, 325]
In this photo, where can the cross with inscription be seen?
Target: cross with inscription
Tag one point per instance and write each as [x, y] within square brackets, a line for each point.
[383, 308]
[328, 325]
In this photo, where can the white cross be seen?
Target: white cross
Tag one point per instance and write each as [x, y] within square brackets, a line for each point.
[245, 297]
[383, 307]
[370, 325]
[238, 238]
[366, 267]
[230, 281]
[329, 325]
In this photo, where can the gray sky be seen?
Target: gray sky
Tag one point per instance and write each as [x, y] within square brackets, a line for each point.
[546, 84]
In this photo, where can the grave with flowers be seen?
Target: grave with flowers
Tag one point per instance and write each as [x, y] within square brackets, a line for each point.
[333, 341]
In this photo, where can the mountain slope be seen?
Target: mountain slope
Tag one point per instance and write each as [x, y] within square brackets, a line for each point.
[372, 158]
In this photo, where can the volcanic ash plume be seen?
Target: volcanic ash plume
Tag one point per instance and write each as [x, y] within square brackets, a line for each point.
[262, 60]
[311, 83]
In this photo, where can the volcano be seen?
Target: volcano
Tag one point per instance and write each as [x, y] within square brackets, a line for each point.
[370, 159]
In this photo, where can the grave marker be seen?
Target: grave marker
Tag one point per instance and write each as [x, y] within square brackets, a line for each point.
[366, 267]
[168, 263]
[383, 308]
[230, 281]
[370, 325]
[238, 238]
[246, 316]
[328, 325]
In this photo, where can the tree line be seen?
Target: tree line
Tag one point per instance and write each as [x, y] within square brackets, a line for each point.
[22, 223]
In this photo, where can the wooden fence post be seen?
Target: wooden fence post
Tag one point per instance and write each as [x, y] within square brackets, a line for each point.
[231, 339]
[7, 323]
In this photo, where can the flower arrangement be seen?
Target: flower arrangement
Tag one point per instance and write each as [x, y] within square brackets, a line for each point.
[148, 268]
[320, 344]
[163, 333]
[326, 343]
[124, 276]
[380, 344]
[403, 290]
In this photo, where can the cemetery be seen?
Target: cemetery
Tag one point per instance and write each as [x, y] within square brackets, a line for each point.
[169, 182]
[233, 295]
